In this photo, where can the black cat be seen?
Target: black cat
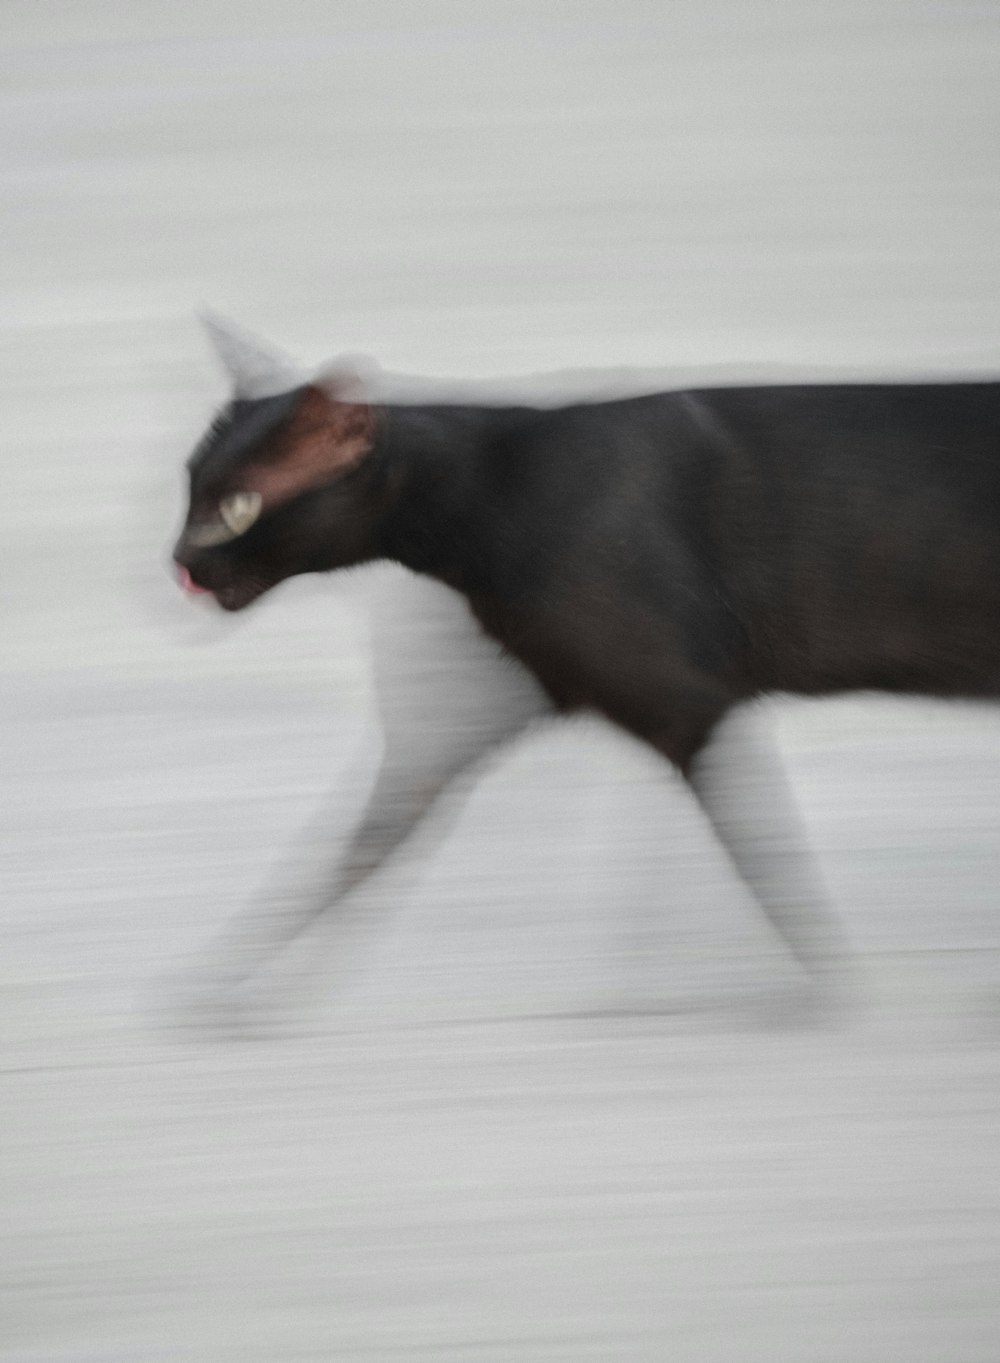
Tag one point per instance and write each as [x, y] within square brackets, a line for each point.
[659, 559]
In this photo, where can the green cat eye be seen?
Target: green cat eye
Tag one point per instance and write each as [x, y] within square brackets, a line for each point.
[239, 510]
[237, 514]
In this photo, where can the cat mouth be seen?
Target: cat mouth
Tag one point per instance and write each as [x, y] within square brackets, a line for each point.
[232, 596]
[235, 598]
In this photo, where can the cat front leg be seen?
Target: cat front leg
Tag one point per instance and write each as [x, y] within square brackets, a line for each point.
[446, 698]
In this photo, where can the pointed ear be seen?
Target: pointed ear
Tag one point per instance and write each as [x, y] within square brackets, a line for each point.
[329, 432]
[256, 368]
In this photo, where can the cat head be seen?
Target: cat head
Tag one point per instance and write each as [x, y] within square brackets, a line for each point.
[285, 480]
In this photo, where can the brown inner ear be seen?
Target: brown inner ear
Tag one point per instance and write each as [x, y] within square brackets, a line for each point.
[323, 437]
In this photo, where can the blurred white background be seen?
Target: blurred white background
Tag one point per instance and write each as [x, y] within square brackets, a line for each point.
[463, 1153]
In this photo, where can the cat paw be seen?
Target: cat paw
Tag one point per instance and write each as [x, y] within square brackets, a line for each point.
[196, 1010]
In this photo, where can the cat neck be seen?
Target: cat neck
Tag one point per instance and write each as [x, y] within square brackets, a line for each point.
[444, 469]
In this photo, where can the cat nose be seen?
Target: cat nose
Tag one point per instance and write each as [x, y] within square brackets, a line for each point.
[187, 582]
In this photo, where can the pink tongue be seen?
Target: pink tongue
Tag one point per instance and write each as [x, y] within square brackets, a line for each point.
[189, 585]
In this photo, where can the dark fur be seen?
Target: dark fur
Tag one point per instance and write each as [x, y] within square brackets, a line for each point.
[661, 558]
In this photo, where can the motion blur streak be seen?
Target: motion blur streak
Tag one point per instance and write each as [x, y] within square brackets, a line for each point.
[531, 1112]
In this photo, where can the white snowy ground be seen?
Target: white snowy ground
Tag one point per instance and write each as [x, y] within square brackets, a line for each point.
[461, 1152]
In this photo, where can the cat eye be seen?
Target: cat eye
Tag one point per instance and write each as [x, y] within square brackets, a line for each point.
[237, 514]
[239, 510]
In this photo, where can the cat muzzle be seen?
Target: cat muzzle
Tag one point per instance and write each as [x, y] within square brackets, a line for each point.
[188, 584]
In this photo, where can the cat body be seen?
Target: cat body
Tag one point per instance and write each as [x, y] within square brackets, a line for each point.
[659, 559]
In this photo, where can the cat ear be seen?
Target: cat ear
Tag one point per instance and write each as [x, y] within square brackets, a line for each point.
[256, 369]
[329, 432]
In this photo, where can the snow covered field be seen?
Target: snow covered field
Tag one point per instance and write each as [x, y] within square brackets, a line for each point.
[534, 1113]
